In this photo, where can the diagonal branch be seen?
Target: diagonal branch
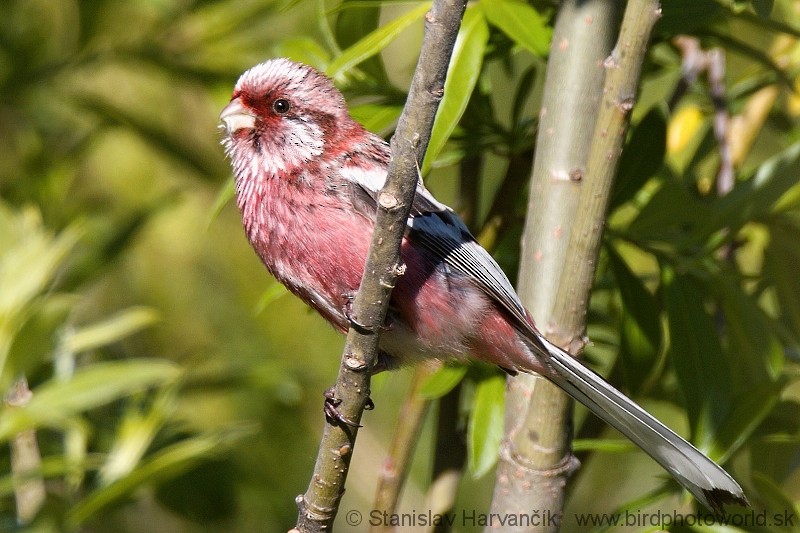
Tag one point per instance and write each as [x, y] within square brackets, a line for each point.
[318, 506]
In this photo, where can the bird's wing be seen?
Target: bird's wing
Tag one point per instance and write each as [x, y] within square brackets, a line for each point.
[438, 228]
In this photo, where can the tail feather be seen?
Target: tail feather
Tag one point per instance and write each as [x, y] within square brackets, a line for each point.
[706, 480]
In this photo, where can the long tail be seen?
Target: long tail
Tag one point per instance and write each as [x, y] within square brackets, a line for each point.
[709, 483]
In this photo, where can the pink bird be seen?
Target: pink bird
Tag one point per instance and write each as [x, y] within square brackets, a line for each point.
[307, 177]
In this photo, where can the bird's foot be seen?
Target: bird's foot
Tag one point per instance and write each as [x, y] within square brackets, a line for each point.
[331, 409]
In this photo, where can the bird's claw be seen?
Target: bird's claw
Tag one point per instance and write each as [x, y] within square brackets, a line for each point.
[360, 327]
[331, 409]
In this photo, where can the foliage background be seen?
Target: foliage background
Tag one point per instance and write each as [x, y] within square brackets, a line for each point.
[177, 388]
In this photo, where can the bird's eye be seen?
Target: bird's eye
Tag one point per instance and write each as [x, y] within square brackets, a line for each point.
[281, 106]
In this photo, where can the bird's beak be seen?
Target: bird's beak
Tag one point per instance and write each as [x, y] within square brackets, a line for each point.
[235, 116]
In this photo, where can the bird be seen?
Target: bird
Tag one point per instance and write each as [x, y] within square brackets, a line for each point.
[307, 176]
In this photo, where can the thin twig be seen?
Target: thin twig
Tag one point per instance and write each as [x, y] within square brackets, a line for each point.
[317, 508]
[26, 460]
[397, 463]
[449, 459]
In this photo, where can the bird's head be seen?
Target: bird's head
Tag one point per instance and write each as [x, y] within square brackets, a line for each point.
[282, 116]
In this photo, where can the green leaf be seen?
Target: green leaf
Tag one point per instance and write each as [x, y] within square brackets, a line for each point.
[275, 291]
[521, 23]
[377, 118]
[28, 264]
[442, 381]
[167, 463]
[641, 323]
[775, 498]
[755, 197]
[749, 410]
[304, 50]
[642, 157]
[781, 258]
[353, 25]
[52, 467]
[524, 88]
[225, 195]
[36, 341]
[602, 445]
[485, 430]
[669, 215]
[754, 347]
[763, 8]
[684, 16]
[55, 401]
[374, 42]
[110, 330]
[702, 369]
[135, 433]
[462, 75]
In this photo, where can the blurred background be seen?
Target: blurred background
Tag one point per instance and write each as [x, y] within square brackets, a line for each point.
[177, 388]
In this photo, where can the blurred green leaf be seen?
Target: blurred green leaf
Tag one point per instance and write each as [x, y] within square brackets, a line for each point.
[275, 291]
[521, 23]
[763, 8]
[602, 445]
[52, 467]
[164, 464]
[135, 433]
[640, 341]
[781, 258]
[377, 118]
[29, 261]
[206, 492]
[462, 75]
[756, 197]
[111, 330]
[747, 412]
[354, 24]
[668, 215]
[701, 367]
[37, 340]
[685, 16]
[754, 347]
[442, 381]
[524, 88]
[304, 50]
[776, 499]
[485, 430]
[55, 401]
[225, 195]
[642, 157]
[374, 42]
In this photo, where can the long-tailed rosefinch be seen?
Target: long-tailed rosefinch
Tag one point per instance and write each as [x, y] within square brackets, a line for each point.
[307, 176]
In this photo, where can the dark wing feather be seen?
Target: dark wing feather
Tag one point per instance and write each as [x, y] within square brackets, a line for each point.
[436, 227]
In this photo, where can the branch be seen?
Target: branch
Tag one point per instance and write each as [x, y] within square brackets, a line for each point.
[318, 506]
[396, 465]
[26, 460]
[585, 112]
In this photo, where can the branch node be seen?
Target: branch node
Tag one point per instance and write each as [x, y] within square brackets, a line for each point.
[388, 201]
[355, 363]
[399, 269]
[611, 61]
[625, 104]
[576, 174]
